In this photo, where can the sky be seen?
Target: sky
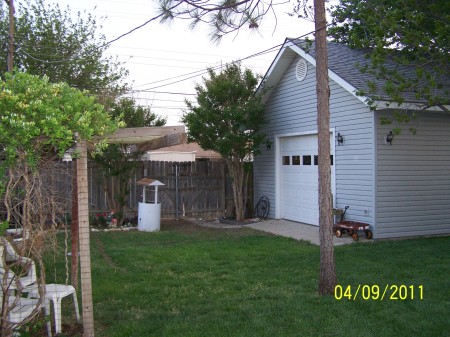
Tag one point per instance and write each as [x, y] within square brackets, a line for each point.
[166, 61]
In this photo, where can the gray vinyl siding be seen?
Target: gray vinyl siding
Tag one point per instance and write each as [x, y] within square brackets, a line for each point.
[354, 158]
[413, 178]
[292, 108]
[264, 177]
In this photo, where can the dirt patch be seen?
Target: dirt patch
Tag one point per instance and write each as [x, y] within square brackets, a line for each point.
[102, 251]
[40, 330]
[182, 225]
[211, 228]
[73, 330]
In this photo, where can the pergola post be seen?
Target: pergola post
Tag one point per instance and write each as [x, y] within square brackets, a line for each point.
[85, 252]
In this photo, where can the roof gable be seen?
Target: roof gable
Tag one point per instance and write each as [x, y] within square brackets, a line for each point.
[344, 67]
[288, 52]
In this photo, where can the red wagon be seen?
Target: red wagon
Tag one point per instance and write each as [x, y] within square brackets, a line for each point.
[350, 227]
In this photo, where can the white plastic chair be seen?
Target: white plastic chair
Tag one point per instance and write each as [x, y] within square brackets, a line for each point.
[54, 293]
[8, 253]
[20, 309]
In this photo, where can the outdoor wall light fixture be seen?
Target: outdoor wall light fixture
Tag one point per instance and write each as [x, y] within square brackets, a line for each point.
[339, 139]
[389, 137]
[268, 145]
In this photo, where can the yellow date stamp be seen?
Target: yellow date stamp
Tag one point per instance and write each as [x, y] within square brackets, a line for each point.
[374, 292]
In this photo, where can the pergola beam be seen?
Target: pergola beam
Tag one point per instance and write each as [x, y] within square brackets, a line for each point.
[164, 141]
[144, 134]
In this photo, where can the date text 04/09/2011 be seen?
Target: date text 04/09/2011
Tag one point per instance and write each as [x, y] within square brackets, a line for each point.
[374, 292]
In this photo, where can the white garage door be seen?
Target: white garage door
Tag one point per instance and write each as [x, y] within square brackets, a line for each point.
[299, 179]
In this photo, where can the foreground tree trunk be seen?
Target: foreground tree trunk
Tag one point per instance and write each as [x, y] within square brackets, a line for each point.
[327, 280]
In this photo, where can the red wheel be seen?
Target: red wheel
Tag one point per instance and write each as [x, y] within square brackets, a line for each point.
[369, 234]
[355, 236]
[338, 233]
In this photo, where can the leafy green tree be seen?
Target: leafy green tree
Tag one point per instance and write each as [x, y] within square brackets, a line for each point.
[413, 34]
[118, 162]
[228, 118]
[48, 41]
[135, 115]
[38, 122]
[39, 119]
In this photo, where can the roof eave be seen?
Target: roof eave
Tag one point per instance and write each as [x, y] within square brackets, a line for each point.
[287, 53]
[276, 70]
[332, 75]
[381, 105]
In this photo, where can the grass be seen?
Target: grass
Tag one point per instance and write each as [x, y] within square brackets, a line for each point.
[188, 280]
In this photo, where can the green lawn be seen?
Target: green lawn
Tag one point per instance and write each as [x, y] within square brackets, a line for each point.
[188, 280]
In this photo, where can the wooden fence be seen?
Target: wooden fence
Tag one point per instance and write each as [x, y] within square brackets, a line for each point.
[203, 188]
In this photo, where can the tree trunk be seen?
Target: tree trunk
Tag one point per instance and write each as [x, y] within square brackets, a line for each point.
[109, 188]
[238, 178]
[85, 252]
[327, 280]
[11, 36]
[245, 190]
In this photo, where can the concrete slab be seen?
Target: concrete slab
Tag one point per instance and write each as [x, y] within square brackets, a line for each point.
[299, 231]
[286, 228]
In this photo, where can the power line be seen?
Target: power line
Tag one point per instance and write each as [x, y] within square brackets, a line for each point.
[106, 43]
[269, 50]
[197, 73]
[203, 72]
[142, 25]
[169, 107]
[163, 100]
[157, 58]
[171, 51]
[179, 78]
[190, 76]
[163, 92]
[162, 65]
[52, 50]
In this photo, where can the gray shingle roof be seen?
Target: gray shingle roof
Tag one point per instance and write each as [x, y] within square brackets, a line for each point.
[347, 63]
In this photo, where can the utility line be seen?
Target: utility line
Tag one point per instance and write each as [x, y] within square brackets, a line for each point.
[202, 72]
[139, 27]
[190, 75]
[245, 58]
[269, 50]
[108, 42]
[53, 50]
[163, 92]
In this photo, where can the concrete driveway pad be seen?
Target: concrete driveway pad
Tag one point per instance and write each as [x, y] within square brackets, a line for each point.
[299, 231]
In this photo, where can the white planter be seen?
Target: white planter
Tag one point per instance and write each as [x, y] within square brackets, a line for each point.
[149, 217]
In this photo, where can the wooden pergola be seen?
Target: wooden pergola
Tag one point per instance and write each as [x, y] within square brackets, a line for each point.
[150, 138]
[147, 138]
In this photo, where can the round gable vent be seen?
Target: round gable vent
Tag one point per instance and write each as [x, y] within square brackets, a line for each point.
[301, 69]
